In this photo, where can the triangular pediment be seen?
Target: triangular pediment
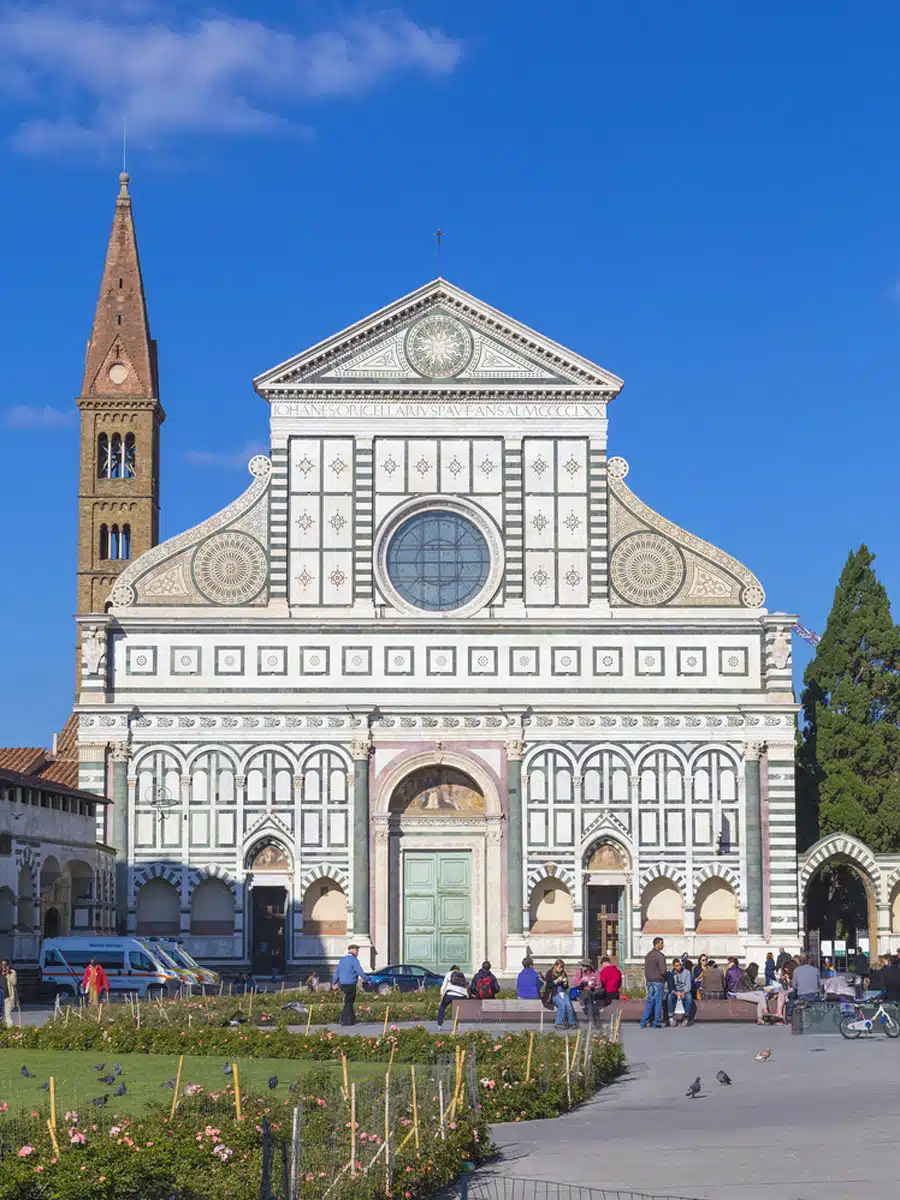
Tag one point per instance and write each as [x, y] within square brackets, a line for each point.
[438, 336]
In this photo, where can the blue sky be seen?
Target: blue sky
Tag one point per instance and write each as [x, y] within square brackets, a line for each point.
[703, 198]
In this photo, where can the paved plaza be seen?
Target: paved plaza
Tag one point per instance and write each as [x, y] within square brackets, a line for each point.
[819, 1121]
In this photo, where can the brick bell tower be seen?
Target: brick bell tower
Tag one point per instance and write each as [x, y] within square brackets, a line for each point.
[118, 494]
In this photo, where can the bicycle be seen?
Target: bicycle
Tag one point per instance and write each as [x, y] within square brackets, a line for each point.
[855, 1023]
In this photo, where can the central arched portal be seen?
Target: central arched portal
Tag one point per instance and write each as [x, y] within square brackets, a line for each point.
[437, 870]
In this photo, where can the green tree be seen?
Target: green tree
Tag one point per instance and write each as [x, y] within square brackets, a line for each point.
[848, 778]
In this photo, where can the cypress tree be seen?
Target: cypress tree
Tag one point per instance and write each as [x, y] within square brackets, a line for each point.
[848, 778]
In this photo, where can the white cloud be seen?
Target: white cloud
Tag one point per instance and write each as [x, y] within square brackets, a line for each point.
[232, 462]
[24, 417]
[82, 69]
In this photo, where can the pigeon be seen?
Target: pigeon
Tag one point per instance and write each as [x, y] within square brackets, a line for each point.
[45, 1087]
[107, 1079]
[120, 1090]
[723, 1078]
[763, 1056]
[227, 1069]
[694, 1089]
[273, 1082]
[292, 1087]
[99, 1101]
[117, 1069]
[169, 1083]
[237, 1021]
[99, 1067]
[295, 1006]
[26, 1074]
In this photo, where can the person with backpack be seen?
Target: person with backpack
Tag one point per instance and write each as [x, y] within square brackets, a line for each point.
[453, 988]
[484, 985]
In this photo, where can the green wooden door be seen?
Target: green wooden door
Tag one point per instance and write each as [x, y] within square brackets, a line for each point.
[437, 909]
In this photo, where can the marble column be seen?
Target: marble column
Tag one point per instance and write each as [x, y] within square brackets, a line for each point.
[515, 861]
[360, 751]
[120, 754]
[753, 826]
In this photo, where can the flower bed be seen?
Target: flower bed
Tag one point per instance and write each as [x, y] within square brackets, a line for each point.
[461, 1084]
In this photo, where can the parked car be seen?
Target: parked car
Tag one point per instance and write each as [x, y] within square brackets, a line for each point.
[405, 978]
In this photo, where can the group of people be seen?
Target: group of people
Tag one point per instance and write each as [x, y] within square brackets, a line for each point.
[673, 989]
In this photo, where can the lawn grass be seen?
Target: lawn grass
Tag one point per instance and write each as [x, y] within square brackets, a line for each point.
[143, 1075]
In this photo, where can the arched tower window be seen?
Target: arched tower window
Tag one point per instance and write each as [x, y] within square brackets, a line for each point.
[114, 542]
[115, 456]
[104, 541]
[125, 542]
[130, 460]
[103, 456]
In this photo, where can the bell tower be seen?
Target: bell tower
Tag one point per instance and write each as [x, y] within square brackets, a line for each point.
[118, 494]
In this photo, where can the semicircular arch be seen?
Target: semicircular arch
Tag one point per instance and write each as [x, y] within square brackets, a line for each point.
[479, 772]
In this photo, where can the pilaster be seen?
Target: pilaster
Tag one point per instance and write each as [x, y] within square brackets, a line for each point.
[120, 753]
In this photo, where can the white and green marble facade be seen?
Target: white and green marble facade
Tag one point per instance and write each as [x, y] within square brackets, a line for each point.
[615, 681]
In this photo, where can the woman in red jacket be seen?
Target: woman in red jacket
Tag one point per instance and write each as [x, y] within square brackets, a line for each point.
[611, 978]
[95, 982]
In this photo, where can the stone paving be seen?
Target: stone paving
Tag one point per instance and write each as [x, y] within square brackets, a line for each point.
[819, 1121]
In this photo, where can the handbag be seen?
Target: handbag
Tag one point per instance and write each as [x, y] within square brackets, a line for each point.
[679, 1007]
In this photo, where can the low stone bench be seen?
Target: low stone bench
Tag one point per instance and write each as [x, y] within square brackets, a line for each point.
[529, 1011]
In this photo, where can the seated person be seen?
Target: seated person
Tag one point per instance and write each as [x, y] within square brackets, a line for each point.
[713, 982]
[679, 983]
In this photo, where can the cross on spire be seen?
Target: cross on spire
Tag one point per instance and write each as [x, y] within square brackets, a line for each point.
[439, 237]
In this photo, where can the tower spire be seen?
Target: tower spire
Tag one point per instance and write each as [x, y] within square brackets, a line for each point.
[121, 354]
[118, 500]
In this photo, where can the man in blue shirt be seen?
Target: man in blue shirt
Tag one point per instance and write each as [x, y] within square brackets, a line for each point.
[528, 983]
[346, 974]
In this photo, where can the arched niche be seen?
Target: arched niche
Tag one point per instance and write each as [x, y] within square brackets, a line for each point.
[552, 907]
[662, 907]
[438, 790]
[716, 907]
[212, 909]
[158, 909]
[325, 909]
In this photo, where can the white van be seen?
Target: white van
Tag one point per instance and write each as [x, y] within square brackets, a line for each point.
[130, 965]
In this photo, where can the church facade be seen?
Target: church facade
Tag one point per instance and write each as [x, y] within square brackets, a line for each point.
[438, 681]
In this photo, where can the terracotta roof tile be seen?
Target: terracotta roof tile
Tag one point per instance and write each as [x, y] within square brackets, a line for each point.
[27, 760]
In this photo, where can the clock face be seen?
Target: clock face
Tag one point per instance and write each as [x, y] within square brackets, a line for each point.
[439, 346]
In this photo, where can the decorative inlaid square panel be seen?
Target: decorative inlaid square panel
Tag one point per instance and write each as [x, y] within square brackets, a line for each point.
[482, 660]
[732, 660]
[398, 660]
[185, 660]
[565, 660]
[607, 660]
[649, 660]
[140, 660]
[271, 660]
[691, 660]
[440, 660]
[524, 660]
[229, 660]
[314, 660]
[356, 660]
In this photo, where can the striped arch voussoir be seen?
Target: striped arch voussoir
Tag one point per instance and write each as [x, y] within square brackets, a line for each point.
[713, 871]
[28, 858]
[563, 874]
[840, 845]
[156, 871]
[663, 871]
[212, 872]
[325, 871]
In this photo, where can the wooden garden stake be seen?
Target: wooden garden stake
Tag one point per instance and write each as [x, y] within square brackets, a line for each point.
[52, 1128]
[387, 1121]
[236, 1076]
[575, 1051]
[455, 1019]
[387, 1013]
[346, 1088]
[441, 1108]
[67, 1016]
[568, 1076]
[53, 1101]
[528, 1060]
[391, 1059]
[177, 1088]
[353, 1129]
[415, 1102]
[308, 1018]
